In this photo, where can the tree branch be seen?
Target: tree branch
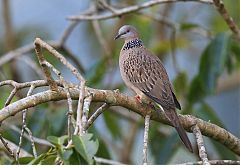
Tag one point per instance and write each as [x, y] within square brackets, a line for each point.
[145, 139]
[94, 116]
[201, 149]
[228, 19]
[116, 99]
[13, 147]
[214, 162]
[130, 9]
[42, 62]
[5, 144]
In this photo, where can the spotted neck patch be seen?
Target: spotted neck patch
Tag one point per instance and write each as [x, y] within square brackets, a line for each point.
[133, 44]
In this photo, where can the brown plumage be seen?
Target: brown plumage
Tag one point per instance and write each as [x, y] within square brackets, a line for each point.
[145, 74]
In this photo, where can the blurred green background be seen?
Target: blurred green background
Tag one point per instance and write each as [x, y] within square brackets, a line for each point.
[200, 54]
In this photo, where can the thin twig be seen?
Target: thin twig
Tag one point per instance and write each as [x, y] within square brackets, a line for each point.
[47, 73]
[96, 114]
[201, 148]
[159, 18]
[70, 110]
[67, 32]
[71, 27]
[36, 83]
[10, 97]
[75, 72]
[24, 127]
[32, 64]
[78, 129]
[35, 139]
[228, 19]
[69, 99]
[30, 47]
[32, 141]
[7, 147]
[107, 161]
[130, 9]
[74, 59]
[174, 25]
[86, 109]
[13, 148]
[59, 56]
[107, 6]
[16, 53]
[145, 139]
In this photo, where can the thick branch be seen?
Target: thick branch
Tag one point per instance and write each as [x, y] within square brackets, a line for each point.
[116, 99]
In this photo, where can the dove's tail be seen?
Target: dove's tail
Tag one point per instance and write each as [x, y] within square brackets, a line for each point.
[173, 117]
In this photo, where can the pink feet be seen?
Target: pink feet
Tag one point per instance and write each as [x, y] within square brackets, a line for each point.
[147, 103]
[138, 98]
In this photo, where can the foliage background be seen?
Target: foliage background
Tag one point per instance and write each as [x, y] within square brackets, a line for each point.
[205, 73]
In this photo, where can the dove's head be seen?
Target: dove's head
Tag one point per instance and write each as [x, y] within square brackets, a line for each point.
[127, 32]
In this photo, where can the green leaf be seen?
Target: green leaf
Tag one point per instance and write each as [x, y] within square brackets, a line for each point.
[47, 158]
[80, 146]
[56, 140]
[213, 61]
[67, 153]
[212, 64]
[76, 159]
[37, 160]
[103, 150]
[24, 160]
[50, 160]
[86, 146]
[53, 139]
[112, 124]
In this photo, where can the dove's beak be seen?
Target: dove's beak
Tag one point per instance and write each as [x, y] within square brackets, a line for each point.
[118, 36]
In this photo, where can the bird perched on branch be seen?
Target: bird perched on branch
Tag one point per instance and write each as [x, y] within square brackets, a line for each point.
[145, 74]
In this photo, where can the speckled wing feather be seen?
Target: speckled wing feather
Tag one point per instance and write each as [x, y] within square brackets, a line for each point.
[146, 72]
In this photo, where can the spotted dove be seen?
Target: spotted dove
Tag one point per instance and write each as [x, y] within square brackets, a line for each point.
[145, 74]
